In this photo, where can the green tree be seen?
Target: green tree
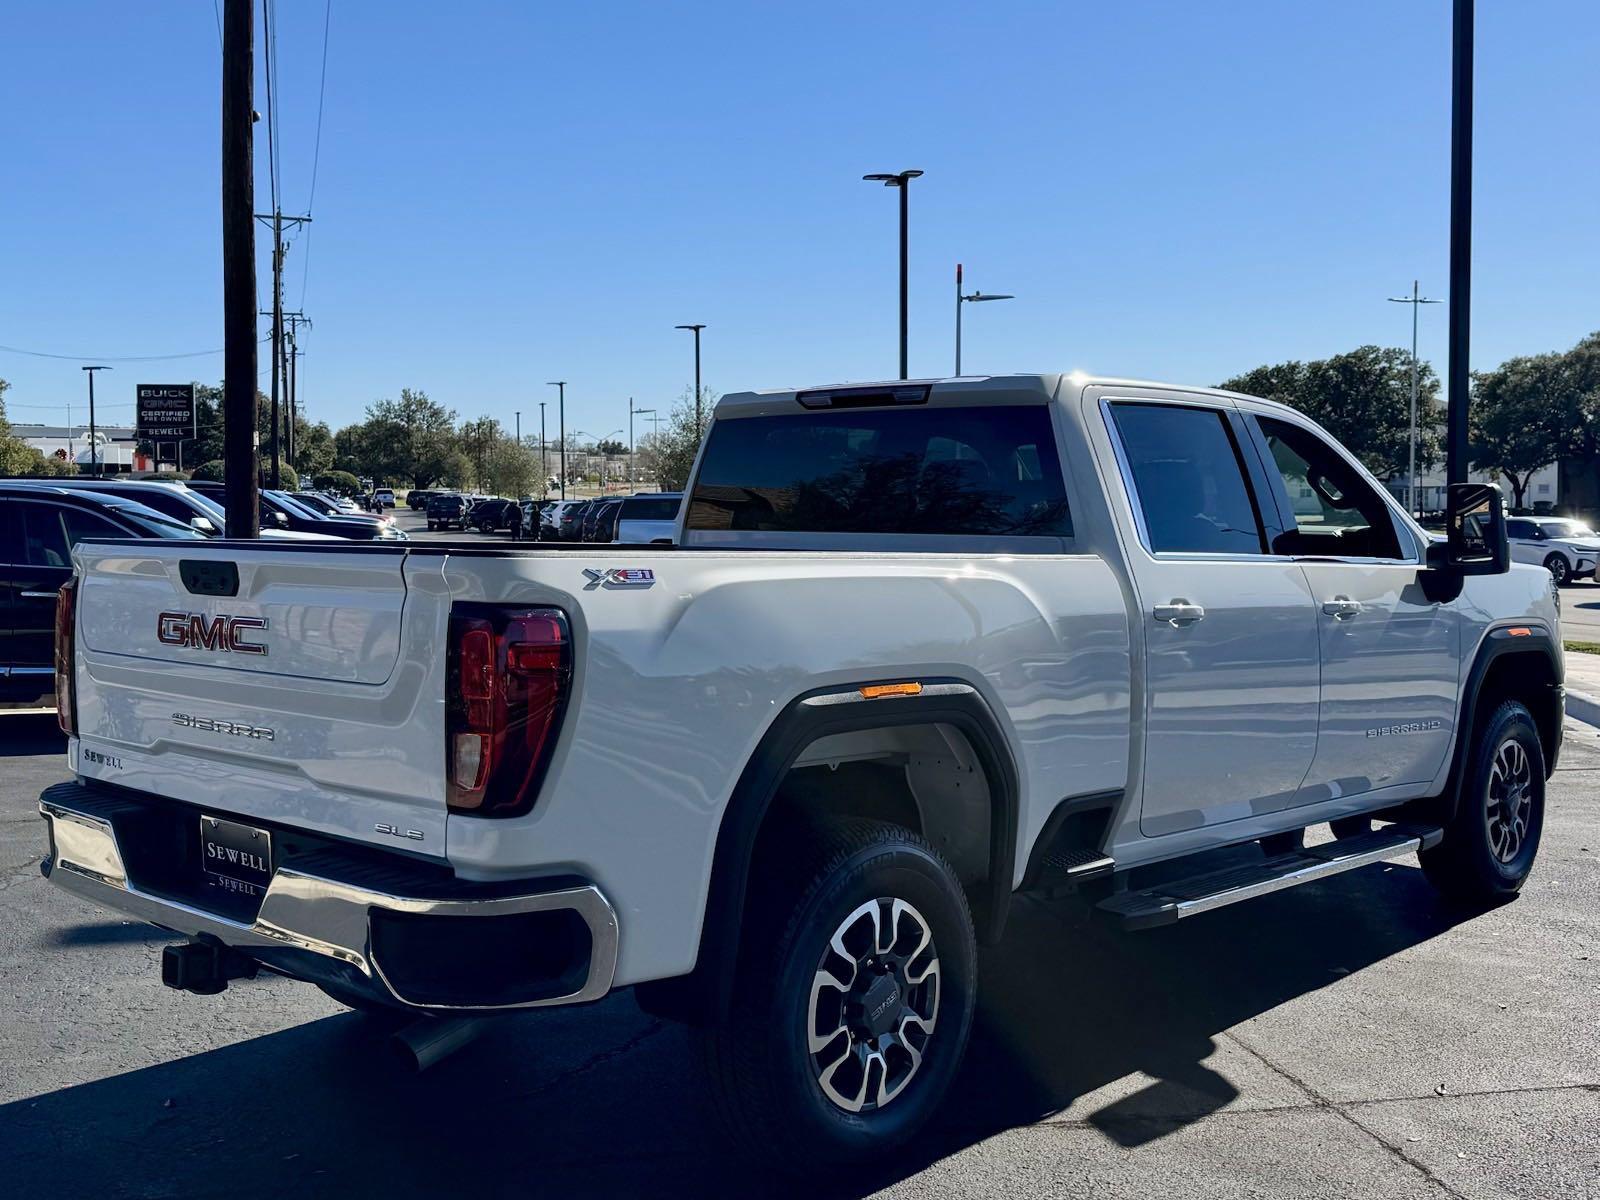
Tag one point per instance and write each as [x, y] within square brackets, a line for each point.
[1363, 398]
[1525, 414]
[208, 471]
[341, 482]
[670, 455]
[19, 458]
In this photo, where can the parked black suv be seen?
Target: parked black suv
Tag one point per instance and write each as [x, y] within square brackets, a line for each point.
[448, 511]
[39, 525]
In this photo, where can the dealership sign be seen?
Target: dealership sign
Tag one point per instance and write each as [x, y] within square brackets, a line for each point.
[165, 412]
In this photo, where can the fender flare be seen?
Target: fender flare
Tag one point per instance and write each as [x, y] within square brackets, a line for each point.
[706, 992]
[1497, 643]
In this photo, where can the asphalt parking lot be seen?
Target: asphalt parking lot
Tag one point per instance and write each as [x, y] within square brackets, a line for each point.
[1349, 1038]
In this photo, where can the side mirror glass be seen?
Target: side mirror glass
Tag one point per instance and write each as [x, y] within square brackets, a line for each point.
[204, 525]
[1475, 532]
[281, 520]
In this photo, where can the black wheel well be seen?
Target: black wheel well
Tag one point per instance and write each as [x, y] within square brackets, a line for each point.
[1528, 676]
[789, 779]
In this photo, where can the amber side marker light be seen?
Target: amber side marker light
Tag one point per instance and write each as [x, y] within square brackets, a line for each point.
[878, 691]
[1520, 631]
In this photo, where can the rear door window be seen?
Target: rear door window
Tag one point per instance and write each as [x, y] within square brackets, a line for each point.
[1189, 480]
[650, 508]
[958, 471]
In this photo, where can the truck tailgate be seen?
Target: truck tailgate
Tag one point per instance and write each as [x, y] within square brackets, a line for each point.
[293, 684]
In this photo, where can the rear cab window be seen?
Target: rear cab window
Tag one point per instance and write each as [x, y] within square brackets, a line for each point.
[957, 472]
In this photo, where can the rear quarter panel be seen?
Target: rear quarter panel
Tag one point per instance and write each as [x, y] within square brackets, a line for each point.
[677, 683]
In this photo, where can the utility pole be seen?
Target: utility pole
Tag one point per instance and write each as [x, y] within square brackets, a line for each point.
[295, 320]
[239, 270]
[94, 449]
[519, 429]
[1460, 316]
[698, 423]
[561, 384]
[277, 220]
[901, 180]
[1414, 300]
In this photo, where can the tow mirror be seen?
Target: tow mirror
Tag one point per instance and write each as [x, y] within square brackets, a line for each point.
[1475, 532]
[204, 525]
[281, 520]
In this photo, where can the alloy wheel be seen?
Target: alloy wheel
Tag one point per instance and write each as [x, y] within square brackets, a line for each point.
[1508, 800]
[874, 1003]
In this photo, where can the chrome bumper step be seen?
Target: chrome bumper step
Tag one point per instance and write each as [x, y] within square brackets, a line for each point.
[1175, 899]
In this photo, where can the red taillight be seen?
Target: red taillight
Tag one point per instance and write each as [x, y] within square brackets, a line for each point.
[509, 673]
[66, 623]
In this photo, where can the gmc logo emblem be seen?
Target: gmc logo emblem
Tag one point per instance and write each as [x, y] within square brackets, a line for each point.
[195, 632]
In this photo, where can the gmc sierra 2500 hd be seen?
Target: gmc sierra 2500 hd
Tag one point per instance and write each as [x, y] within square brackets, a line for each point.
[922, 645]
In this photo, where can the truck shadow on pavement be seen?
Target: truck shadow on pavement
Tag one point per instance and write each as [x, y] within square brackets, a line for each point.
[1109, 1029]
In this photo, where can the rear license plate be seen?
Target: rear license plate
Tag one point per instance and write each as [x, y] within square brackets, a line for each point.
[234, 857]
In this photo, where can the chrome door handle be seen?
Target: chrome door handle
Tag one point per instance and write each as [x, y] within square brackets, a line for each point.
[1342, 608]
[1178, 612]
[39, 595]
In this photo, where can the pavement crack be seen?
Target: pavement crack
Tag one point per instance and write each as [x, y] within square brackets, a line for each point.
[1342, 1111]
[594, 1061]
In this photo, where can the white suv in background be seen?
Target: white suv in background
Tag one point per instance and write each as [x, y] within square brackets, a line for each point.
[1568, 549]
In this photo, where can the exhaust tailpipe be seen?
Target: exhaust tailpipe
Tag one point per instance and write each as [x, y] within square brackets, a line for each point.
[429, 1040]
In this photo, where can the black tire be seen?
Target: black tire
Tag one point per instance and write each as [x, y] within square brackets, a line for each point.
[765, 1078]
[1560, 569]
[1283, 843]
[1477, 864]
[1347, 827]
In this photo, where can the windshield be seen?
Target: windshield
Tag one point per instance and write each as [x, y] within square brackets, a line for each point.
[153, 524]
[294, 507]
[1568, 529]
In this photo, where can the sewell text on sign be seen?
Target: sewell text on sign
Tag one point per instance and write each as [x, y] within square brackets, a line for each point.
[165, 411]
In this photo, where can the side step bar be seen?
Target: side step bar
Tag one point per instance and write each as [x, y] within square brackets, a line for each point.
[1167, 902]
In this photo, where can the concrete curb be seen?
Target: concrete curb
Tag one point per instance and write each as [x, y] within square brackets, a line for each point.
[1583, 707]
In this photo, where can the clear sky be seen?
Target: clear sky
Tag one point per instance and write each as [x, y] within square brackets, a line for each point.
[517, 192]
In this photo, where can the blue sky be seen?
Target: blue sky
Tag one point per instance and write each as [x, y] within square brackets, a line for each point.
[512, 193]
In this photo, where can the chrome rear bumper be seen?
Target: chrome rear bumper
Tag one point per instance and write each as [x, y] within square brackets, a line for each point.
[304, 917]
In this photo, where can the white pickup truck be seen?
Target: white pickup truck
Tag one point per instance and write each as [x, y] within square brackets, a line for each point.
[920, 646]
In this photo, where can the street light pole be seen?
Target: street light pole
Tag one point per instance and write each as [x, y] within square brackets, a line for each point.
[544, 462]
[94, 449]
[1416, 298]
[1460, 313]
[695, 329]
[519, 429]
[901, 180]
[561, 386]
[974, 298]
[632, 411]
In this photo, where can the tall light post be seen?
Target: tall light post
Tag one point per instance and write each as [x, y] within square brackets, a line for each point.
[1459, 319]
[633, 412]
[901, 180]
[519, 429]
[695, 329]
[1415, 299]
[974, 298]
[561, 384]
[94, 448]
[544, 463]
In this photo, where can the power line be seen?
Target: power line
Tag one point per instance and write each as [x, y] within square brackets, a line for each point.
[217, 12]
[111, 357]
[272, 140]
[316, 150]
[322, 92]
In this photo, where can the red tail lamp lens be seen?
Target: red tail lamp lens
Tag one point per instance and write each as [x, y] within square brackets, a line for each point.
[510, 670]
[66, 626]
